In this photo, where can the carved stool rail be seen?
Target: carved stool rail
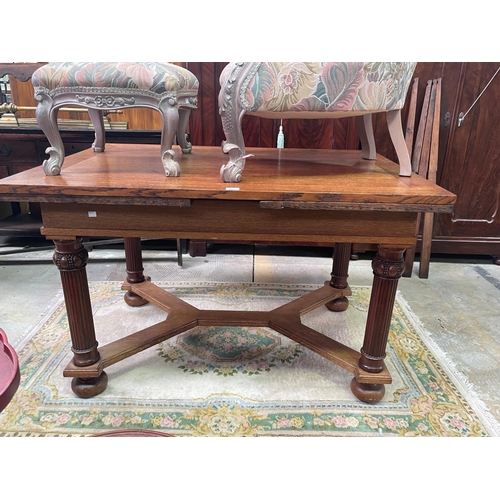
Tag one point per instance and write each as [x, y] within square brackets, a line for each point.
[103, 86]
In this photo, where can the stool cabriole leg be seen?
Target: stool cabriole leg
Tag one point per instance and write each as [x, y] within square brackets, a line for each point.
[170, 118]
[96, 115]
[46, 115]
[182, 139]
[71, 257]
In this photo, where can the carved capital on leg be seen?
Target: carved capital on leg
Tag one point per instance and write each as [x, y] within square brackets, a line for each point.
[70, 255]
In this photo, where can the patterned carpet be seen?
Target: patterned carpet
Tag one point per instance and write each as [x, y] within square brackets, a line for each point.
[237, 381]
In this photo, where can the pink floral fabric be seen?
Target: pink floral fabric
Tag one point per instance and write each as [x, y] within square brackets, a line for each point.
[326, 86]
[156, 77]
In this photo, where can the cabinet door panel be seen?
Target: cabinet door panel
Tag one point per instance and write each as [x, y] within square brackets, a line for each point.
[471, 166]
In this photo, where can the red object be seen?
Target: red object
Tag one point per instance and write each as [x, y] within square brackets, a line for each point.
[10, 376]
[132, 433]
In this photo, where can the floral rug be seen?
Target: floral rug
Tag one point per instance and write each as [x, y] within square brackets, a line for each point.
[237, 381]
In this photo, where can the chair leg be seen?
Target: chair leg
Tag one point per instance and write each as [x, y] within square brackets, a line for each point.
[410, 123]
[366, 136]
[231, 113]
[98, 121]
[399, 142]
[170, 119]
[46, 115]
[234, 145]
[425, 254]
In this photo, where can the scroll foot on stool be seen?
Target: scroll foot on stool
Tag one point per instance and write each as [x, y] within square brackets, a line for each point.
[232, 171]
[172, 168]
[53, 165]
[89, 387]
[338, 305]
[368, 393]
[186, 146]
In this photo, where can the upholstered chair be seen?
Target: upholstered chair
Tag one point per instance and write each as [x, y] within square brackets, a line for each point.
[313, 90]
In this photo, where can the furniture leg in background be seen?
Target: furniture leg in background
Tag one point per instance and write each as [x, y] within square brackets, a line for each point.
[339, 275]
[133, 259]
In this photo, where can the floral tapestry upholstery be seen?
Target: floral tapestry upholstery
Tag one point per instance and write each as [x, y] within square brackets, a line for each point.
[312, 87]
[152, 76]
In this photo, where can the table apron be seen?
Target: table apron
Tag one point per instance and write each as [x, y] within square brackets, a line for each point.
[228, 220]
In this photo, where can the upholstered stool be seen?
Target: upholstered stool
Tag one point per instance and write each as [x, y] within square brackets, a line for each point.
[308, 90]
[103, 86]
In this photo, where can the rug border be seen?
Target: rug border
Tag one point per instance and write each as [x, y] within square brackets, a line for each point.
[459, 379]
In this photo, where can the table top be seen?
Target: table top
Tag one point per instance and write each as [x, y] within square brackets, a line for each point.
[133, 173]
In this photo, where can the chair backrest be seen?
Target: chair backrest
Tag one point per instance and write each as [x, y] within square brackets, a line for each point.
[424, 154]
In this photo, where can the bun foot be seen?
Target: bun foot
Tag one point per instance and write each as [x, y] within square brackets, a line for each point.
[89, 387]
[338, 305]
[134, 300]
[368, 393]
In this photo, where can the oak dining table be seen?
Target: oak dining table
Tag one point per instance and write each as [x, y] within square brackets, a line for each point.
[290, 196]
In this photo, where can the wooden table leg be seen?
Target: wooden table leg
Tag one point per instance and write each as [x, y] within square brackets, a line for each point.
[71, 258]
[339, 275]
[133, 259]
[388, 266]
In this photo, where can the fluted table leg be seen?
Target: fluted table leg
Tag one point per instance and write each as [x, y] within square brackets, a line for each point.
[71, 258]
[388, 266]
